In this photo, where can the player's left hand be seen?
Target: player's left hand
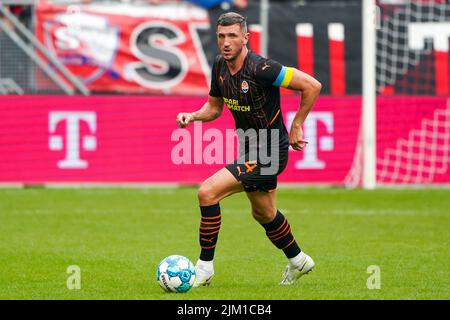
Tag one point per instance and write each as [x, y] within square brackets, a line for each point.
[296, 140]
[183, 119]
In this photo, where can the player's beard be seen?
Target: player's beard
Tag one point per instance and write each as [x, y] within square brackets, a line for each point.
[233, 57]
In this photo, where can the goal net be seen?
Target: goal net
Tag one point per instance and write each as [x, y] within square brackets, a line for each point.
[413, 109]
[413, 90]
[412, 47]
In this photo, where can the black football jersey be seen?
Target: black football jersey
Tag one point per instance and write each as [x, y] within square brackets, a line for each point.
[252, 94]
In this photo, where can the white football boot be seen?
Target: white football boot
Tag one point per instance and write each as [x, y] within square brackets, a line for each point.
[294, 272]
[204, 271]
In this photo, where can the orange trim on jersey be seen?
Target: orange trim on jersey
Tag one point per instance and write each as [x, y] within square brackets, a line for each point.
[273, 119]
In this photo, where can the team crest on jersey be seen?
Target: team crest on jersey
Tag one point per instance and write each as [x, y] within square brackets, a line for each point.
[244, 86]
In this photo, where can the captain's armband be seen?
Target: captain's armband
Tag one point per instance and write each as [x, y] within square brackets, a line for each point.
[284, 77]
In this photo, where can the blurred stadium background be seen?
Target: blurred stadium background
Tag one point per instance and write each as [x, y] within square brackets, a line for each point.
[89, 92]
[114, 67]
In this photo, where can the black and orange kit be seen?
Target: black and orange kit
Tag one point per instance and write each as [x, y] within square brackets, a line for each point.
[253, 97]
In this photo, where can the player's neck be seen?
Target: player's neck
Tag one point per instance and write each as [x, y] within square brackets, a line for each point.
[236, 65]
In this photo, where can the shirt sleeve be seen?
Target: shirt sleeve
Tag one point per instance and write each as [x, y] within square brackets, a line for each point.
[272, 73]
[215, 89]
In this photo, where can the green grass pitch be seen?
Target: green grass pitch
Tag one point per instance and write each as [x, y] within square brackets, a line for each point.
[118, 236]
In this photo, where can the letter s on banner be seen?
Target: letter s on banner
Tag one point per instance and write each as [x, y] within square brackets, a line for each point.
[162, 64]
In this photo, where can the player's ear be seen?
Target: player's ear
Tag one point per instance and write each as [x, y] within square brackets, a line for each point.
[246, 37]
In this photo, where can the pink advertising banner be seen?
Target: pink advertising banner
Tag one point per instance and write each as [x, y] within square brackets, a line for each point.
[413, 140]
[120, 139]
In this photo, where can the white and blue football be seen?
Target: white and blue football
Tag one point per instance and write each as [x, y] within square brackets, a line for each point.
[175, 274]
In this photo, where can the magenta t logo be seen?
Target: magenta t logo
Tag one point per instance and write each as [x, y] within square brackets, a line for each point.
[316, 143]
[72, 138]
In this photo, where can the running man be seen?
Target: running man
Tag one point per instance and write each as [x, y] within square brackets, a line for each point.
[249, 85]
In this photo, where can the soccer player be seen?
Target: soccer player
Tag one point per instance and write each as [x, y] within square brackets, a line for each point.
[250, 87]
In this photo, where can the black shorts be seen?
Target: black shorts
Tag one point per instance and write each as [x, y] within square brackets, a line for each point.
[255, 176]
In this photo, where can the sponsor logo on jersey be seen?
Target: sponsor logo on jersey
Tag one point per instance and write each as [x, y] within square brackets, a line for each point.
[233, 104]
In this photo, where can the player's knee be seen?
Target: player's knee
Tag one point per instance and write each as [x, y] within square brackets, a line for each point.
[262, 216]
[207, 195]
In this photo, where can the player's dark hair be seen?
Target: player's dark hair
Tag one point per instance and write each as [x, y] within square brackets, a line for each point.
[232, 18]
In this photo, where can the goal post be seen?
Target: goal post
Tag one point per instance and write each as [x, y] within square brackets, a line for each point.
[369, 94]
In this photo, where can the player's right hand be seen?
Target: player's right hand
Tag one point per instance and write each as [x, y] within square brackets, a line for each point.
[183, 119]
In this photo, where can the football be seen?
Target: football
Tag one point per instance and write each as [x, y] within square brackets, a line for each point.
[175, 274]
